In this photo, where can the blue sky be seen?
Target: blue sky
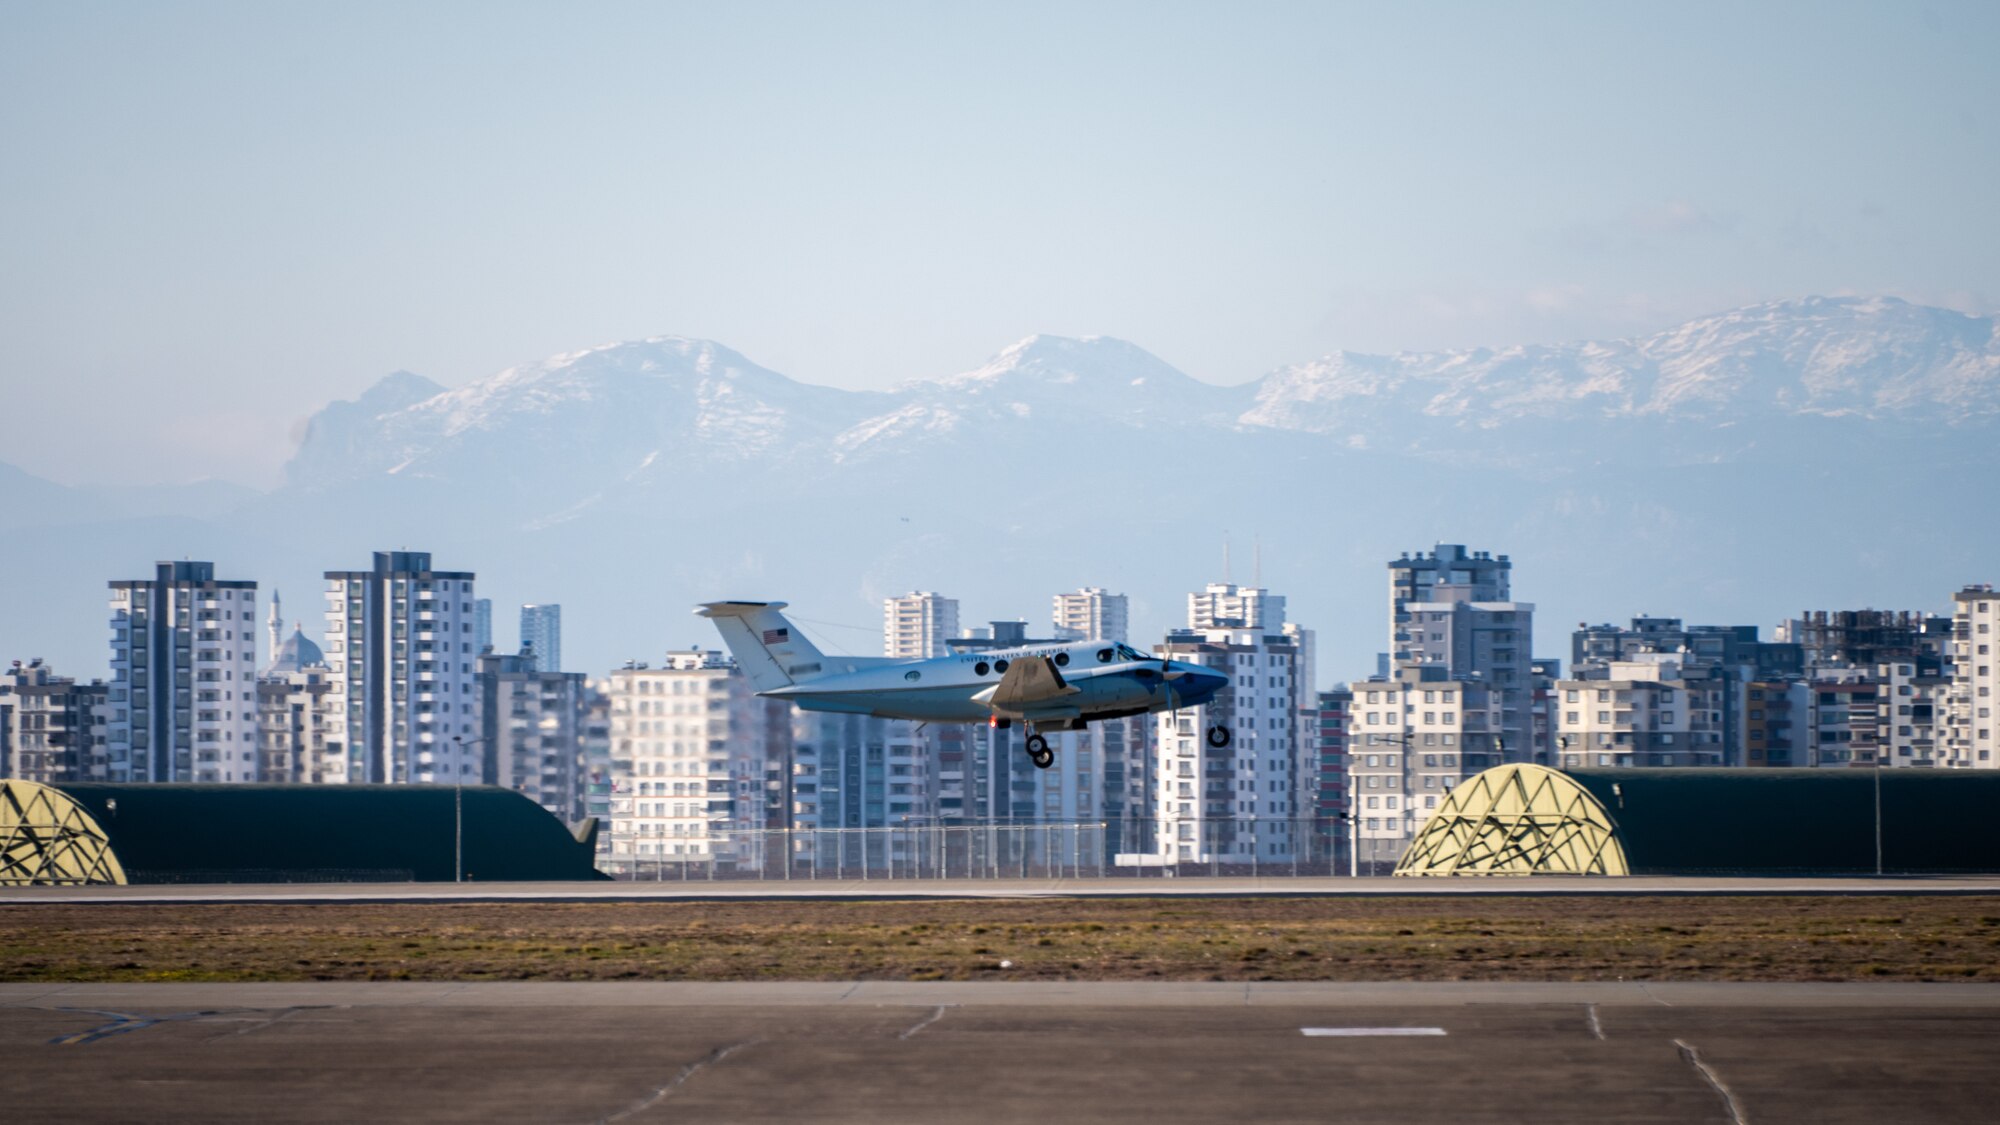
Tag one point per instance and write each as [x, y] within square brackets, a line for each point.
[216, 217]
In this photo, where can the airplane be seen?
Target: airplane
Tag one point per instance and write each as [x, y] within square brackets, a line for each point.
[1041, 686]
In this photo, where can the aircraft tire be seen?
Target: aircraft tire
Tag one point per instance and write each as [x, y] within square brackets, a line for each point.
[1043, 760]
[1218, 737]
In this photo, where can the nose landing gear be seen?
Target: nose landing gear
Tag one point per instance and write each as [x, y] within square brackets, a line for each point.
[1218, 736]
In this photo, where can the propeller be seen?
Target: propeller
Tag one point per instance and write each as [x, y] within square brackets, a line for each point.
[1168, 674]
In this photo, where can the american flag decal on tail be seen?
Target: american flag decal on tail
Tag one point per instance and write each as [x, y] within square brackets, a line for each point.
[777, 636]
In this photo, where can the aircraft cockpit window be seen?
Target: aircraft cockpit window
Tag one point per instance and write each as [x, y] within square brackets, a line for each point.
[1127, 652]
[1104, 656]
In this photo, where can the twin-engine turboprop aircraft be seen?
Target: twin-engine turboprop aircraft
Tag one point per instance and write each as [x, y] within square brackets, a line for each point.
[1055, 687]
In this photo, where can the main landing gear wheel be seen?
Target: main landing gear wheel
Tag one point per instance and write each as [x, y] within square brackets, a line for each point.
[1218, 737]
[1039, 752]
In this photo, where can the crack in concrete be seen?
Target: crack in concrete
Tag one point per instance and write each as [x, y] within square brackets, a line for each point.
[1715, 1082]
[1596, 1028]
[925, 1022]
[677, 1081]
[121, 1022]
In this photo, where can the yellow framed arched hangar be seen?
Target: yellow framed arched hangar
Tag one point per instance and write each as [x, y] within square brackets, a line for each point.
[1517, 820]
[1532, 820]
[47, 839]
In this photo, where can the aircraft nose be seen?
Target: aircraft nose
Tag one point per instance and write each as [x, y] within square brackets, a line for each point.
[1207, 681]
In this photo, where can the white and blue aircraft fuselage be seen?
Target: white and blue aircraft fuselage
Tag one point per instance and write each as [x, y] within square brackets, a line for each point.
[1043, 686]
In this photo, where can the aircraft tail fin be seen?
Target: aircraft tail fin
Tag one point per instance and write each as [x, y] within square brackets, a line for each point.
[770, 650]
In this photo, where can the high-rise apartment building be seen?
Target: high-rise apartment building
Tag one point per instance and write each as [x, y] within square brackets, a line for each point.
[399, 640]
[1410, 739]
[541, 631]
[295, 710]
[294, 728]
[1648, 711]
[1225, 605]
[917, 625]
[857, 771]
[183, 691]
[1473, 576]
[53, 728]
[1912, 698]
[1091, 614]
[482, 624]
[690, 746]
[1451, 615]
[1333, 716]
[597, 779]
[1723, 660]
[1239, 803]
[1970, 729]
[531, 731]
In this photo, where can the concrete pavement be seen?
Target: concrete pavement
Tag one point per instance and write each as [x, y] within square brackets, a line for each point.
[893, 1052]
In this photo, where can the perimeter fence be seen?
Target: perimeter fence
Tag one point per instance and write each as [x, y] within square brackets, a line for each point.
[1166, 848]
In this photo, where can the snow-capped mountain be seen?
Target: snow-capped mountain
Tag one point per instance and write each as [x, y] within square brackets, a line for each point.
[1686, 472]
[622, 412]
[1880, 358]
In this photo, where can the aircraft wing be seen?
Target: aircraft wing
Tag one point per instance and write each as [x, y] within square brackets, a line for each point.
[1025, 684]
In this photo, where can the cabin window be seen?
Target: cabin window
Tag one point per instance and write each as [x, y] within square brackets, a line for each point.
[1000, 666]
[981, 668]
[913, 675]
[1062, 659]
[1104, 656]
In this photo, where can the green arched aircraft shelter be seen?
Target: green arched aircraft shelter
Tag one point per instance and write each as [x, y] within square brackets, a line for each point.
[92, 833]
[1531, 820]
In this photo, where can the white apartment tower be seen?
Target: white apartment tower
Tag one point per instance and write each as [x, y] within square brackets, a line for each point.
[690, 749]
[1970, 727]
[1091, 614]
[917, 625]
[1225, 605]
[1237, 804]
[399, 640]
[183, 691]
[541, 630]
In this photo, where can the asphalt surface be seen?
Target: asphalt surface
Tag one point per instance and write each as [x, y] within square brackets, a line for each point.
[1042, 1053]
[863, 889]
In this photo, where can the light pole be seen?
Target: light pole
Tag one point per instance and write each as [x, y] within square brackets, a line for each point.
[1878, 809]
[458, 807]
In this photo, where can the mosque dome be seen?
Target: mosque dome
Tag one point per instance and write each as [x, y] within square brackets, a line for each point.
[296, 654]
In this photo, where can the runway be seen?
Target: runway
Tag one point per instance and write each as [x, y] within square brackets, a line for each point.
[916, 1052]
[866, 889]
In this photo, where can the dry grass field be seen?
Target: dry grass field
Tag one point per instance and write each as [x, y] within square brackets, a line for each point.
[1475, 938]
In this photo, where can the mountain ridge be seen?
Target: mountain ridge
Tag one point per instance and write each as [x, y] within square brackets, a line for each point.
[1727, 469]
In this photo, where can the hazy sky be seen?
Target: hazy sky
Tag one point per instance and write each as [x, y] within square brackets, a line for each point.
[216, 217]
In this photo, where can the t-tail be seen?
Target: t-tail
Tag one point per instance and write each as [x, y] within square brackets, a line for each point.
[769, 649]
